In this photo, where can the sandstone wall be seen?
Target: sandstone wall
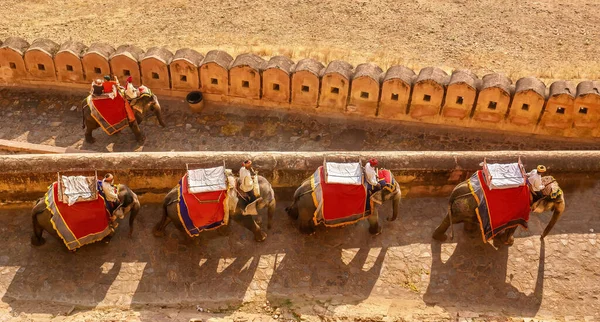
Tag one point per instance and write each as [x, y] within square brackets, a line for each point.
[27, 177]
[365, 91]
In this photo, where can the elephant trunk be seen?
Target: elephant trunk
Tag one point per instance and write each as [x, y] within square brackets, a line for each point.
[134, 211]
[395, 205]
[558, 210]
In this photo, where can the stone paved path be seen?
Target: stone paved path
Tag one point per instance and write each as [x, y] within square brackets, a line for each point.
[55, 119]
[343, 272]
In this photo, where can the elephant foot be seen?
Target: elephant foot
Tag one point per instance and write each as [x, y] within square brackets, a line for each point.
[440, 237]
[141, 139]
[261, 236]
[35, 241]
[90, 140]
[375, 231]
[162, 124]
[510, 241]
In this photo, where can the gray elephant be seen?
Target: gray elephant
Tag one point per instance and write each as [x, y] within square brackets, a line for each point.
[141, 106]
[236, 207]
[462, 206]
[303, 207]
[41, 216]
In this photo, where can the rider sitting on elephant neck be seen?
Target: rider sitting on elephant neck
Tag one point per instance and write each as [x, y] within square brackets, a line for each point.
[247, 181]
[97, 88]
[371, 174]
[535, 182]
[110, 193]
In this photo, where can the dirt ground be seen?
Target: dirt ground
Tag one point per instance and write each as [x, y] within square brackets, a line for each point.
[551, 39]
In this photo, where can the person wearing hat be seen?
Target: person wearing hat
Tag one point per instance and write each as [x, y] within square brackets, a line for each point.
[97, 87]
[111, 196]
[371, 175]
[110, 87]
[535, 181]
[247, 180]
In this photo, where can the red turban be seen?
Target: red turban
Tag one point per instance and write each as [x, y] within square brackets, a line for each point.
[373, 162]
[130, 79]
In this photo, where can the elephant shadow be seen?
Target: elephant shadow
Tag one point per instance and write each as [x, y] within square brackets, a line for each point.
[475, 278]
[55, 281]
[323, 268]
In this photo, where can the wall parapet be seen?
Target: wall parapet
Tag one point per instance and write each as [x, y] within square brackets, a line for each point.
[26, 177]
[461, 99]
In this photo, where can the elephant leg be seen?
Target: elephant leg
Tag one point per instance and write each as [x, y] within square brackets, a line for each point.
[270, 213]
[507, 236]
[158, 113]
[374, 227]
[305, 222]
[250, 224]
[440, 231]
[37, 239]
[470, 227]
[159, 229]
[135, 128]
[89, 128]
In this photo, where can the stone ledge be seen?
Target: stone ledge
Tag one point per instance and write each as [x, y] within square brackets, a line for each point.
[7, 145]
[433, 173]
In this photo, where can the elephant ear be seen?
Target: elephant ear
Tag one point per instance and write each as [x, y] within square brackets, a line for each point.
[377, 197]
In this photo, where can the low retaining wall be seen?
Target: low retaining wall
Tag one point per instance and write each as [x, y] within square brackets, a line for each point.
[152, 174]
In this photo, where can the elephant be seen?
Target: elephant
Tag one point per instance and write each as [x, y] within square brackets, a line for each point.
[303, 207]
[462, 206]
[41, 216]
[141, 107]
[236, 205]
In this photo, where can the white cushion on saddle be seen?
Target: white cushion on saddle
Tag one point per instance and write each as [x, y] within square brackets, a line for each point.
[505, 176]
[343, 173]
[206, 180]
[76, 187]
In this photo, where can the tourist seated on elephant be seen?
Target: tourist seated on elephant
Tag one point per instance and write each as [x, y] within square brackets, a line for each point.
[248, 184]
[110, 87]
[97, 88]
[535, 182]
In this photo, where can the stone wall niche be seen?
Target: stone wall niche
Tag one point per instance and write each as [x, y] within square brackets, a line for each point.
[155, 68]
[586, 115]
[276, 80]
[364, 92]
[395, 93]
[306, 83]
[428, 94]
[39, 60]
[124, 62]
[557, 117]
[461, 94]
[12, 65]
[335, 86]
[493, 102]
[95, 61]
[527, 104]
[214, 73]
[245, 76]
[69, 68]
[184, 70]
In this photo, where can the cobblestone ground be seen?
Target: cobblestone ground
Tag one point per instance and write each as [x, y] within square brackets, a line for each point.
[343, 273]
[55, 119]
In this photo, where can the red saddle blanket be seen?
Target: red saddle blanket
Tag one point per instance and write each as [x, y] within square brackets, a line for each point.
[201, 211]
[499, 209]
[337, 204]
[109, 113]
[79, 224]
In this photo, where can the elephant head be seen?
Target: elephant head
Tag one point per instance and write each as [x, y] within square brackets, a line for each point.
[390, 192]
[146, 104]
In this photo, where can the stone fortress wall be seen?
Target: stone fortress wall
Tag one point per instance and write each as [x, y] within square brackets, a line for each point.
[432, 96]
